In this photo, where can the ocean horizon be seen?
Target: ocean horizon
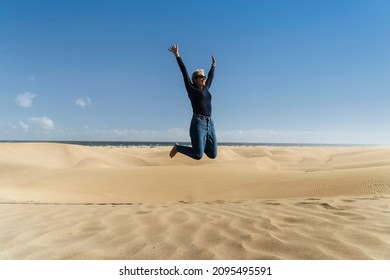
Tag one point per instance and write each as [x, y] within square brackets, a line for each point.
[167, 143]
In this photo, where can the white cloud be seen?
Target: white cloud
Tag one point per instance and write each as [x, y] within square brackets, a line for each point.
[11, 125]
[24, 126]
[84, 102]
[290, 136]
[42, 122]
[26, 99]
[174, 134]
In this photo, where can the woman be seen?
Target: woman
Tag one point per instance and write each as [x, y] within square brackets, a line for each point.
[202, 132]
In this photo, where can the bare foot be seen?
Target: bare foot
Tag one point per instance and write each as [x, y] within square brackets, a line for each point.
[173, 151]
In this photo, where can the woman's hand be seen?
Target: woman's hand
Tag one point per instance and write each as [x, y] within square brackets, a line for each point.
[175, 50]
[213, 60]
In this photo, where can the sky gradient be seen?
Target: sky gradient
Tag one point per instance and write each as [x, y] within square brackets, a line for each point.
[287, 71]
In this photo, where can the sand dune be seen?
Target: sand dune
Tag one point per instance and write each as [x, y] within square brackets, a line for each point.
[75, 202]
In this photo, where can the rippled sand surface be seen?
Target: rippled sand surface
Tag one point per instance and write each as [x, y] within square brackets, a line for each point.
[73, 202]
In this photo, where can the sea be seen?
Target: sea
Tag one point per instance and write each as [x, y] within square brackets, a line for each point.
[167, 144]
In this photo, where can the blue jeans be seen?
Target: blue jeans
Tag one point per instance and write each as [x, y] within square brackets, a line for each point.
[203, 138]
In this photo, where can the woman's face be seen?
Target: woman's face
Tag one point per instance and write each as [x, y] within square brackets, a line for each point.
[200, 81]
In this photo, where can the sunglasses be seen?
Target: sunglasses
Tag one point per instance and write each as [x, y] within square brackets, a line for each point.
[201, 77]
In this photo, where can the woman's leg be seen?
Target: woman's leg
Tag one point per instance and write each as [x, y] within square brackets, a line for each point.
[211, 149]
[198, 134]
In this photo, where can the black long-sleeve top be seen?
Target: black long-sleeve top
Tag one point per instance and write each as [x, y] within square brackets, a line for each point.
[200, 97]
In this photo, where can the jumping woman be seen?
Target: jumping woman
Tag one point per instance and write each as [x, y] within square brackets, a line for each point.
[202, 132]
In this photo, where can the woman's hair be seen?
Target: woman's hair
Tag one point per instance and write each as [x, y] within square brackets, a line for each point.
[197, 72]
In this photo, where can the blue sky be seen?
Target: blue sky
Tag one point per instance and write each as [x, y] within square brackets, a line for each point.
[287, 71]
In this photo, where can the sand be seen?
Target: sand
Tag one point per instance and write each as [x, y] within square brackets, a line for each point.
[62, 201]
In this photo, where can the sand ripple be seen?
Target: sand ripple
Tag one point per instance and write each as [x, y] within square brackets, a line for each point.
[314, 228]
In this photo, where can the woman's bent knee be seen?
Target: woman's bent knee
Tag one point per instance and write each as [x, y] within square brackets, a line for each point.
[212, 156]
[198, 156]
